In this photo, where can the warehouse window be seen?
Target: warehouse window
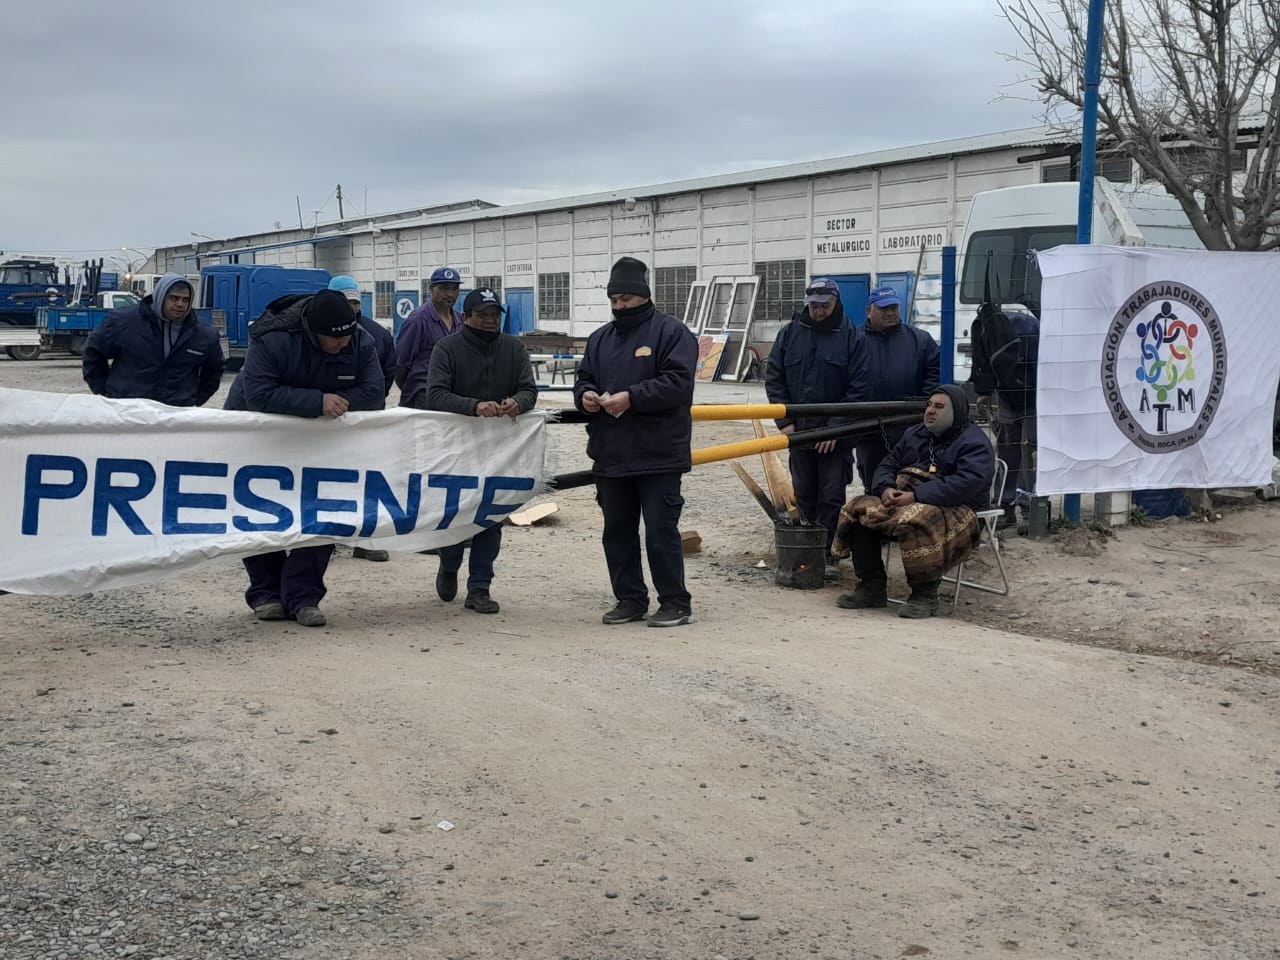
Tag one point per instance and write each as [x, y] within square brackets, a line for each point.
[553, 296]
[494, 283]
[781, 292]
[1056, 172]
[1115, 169]
[671, 288]
[384, 294]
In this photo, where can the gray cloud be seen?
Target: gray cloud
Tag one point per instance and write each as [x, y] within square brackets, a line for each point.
[151, 120]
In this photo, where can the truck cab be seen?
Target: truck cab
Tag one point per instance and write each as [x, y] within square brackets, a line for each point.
[27, 285]
[1006, 227]
[234, 295]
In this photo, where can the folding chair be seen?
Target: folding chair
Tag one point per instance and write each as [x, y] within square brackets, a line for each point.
[987, 535]
[987, 521]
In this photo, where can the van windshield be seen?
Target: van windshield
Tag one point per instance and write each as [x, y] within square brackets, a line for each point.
[1015, 278]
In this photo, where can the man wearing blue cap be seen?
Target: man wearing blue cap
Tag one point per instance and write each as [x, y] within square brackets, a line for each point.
[819, 357]
[422, 330]
[385, 347]
[902, 362]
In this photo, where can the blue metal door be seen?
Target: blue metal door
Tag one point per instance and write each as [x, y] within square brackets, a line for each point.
[405, 302]
[854, 290]
[366, 304]
[520, 318]
[902, 284]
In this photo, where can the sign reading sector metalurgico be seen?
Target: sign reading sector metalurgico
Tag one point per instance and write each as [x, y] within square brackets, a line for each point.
[1164, 366]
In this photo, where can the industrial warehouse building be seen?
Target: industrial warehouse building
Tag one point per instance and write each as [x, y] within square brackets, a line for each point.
[873, 219]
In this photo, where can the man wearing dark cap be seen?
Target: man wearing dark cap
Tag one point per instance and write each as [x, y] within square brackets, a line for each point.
[309, 358]
[156, 350]
[636, 383]
[482, 372]
[925, 494]
[902, 362]
[421, 331]
[385, 347]
[819, 357]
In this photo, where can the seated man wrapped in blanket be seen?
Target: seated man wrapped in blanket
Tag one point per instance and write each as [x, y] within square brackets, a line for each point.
[924, 495]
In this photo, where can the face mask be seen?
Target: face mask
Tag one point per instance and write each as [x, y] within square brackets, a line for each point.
[629, 312]
[942, 423]
[488, 336]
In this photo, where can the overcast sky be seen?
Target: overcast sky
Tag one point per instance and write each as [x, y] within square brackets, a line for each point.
[134, 123]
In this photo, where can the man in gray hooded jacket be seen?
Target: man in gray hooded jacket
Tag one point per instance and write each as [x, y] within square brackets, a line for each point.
[156, 350]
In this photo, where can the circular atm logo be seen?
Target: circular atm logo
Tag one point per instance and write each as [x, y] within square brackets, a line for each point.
[1164, 366]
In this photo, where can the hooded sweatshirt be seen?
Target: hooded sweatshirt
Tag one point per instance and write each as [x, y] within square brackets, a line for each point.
[961, 458]
[136, 353]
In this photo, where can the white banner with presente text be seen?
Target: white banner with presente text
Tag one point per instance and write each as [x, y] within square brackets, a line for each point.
[1158, 369]
[101, 493]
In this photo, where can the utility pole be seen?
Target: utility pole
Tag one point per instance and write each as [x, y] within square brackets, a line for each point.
[341, 217]
[298, 199]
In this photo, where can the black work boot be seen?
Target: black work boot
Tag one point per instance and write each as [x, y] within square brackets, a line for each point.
[480, 602]
[869, 593]
[923, 602]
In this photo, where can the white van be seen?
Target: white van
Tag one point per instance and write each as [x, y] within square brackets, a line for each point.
[1005, 226]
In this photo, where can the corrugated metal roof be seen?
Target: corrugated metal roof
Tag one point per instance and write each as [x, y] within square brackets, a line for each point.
[1011, 139]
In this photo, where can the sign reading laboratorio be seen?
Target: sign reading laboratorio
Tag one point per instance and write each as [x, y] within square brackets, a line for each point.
[102, 493]
[1158, 369]
[897, 242]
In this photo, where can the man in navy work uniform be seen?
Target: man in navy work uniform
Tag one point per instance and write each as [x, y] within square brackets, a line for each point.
[421, 331]
[902, 362]
[156, 350]
[307, 358]
[636, 382]
[819, 357]
[482, 372]
[385, 346]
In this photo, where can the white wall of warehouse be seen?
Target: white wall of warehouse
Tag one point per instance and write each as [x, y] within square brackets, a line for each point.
[864, 221]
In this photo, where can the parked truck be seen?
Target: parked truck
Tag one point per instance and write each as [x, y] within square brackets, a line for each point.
[67, 328]
[1005, 227]
[233, 295]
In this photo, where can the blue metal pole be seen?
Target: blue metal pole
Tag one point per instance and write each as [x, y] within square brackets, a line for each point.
[1088, 160]
[947, 370]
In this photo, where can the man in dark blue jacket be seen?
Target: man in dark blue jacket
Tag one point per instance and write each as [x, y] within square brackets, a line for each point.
[307, 357]
[819, 357]
[156, 350]
[481, 372]
[385, 346]
[636, 382]
[902, 362]
[925, 495]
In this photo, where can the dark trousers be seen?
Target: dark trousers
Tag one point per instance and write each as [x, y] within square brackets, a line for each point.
[1016, 446]
[484, 550]
[294, 578]
[821, 482]
[655, 497]
[870, 453]
[866, 548]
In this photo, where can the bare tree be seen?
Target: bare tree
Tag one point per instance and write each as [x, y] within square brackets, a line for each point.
[1190, 90]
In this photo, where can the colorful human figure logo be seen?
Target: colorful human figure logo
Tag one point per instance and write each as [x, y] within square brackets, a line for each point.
[1166, 351]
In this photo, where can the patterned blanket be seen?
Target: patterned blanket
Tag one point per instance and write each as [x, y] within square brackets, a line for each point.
[932, 539]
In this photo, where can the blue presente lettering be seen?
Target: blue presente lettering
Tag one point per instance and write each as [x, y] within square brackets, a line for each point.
[377, 492]
[107, 496]
[488, 508]
[453, 484]
[313, 505]
[246, 498]
[175, 499]
[36, 488]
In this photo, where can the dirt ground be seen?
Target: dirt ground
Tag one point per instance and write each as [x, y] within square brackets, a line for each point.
[1087, 768]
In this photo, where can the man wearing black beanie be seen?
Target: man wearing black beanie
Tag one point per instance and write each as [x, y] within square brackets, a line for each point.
[636, 383]
[307, 357]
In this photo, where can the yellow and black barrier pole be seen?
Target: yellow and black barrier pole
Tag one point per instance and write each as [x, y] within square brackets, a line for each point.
[853, 430]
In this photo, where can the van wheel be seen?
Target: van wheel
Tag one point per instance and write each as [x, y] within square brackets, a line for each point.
[27, 351]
